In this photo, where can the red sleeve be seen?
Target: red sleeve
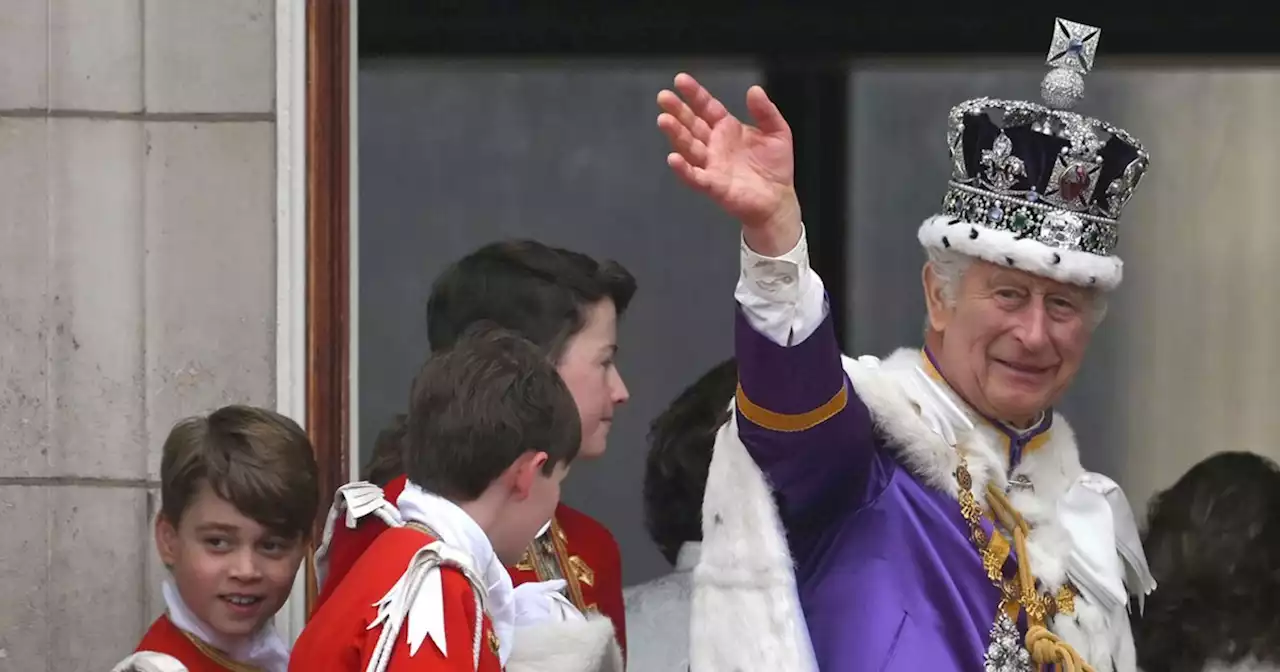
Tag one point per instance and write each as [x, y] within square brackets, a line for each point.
[459, 626]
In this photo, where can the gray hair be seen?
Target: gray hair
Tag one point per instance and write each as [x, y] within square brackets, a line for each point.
[950, 266]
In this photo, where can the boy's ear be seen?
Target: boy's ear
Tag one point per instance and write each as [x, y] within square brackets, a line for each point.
[527, 469]
[166, 540]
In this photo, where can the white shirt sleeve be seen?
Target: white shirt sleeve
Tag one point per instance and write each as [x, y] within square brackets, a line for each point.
[782, 297]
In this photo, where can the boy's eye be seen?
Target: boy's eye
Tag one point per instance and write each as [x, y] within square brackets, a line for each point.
[275, 546]
[218, 543]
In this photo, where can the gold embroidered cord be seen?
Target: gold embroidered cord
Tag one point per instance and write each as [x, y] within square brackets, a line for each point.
[1045, 647]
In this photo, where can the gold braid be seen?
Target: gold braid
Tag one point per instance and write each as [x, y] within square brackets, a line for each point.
[1045, 647]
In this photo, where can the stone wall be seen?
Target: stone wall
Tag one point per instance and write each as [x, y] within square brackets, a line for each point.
[137, 285]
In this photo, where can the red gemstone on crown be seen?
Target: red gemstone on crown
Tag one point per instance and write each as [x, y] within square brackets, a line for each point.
[1072, 183]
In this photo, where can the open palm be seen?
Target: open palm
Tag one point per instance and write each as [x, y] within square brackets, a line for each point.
[748, 170]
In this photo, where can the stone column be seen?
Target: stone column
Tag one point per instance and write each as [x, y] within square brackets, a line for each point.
[137, 286]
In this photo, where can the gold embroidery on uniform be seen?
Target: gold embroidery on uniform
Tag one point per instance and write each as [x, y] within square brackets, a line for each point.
[548, 557]
[582, 570]
[493, 643]
[526, 562]
[218, 657]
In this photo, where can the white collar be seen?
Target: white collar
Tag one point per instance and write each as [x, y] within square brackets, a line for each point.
[263, 649]
[688, 556]
[457, 529]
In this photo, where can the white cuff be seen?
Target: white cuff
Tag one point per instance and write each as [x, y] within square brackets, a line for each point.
[782, 297]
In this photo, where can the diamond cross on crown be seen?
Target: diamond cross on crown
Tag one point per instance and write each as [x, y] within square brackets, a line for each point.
[1073, 46]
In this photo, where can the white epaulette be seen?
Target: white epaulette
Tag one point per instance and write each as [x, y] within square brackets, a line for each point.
[418, 599]
[149, 661]
[357, 499]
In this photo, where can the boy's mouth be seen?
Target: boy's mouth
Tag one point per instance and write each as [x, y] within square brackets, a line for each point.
[242, 602]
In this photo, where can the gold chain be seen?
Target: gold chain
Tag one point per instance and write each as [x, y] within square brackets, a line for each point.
[995, 550]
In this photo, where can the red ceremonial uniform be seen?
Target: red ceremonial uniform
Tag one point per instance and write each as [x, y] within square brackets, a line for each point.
[581, 551]
[165, 637]
[578, 549]
[338, 636]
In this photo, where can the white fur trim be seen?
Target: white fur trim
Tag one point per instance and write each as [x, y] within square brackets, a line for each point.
[566, 646]
[996, 246]
[745, 614]
[150, 661]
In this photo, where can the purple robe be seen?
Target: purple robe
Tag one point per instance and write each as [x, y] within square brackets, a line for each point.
[888, 576]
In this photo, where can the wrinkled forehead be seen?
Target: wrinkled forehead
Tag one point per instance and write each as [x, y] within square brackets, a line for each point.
[990, 274]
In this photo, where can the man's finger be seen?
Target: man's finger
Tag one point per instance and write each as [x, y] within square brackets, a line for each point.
[692, 176]
[765, 114]
[671, 104]
[700, 100]
[692, 149]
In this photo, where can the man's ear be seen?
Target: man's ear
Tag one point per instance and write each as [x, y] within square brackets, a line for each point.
[166, 540]
[935, 301]
[526, 470]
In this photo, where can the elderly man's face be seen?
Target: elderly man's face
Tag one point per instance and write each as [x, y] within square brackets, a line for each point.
[1011, 342]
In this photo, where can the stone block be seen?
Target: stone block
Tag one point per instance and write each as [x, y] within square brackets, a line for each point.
[24, 548]
[210, 269]
[24, 325]
[210, 56]
[95, 380]
[97, 537]
[24, 55]
[95, 55]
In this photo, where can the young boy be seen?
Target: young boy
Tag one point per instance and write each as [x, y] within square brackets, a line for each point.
[492, 430]
[239, 491]
[568, 305]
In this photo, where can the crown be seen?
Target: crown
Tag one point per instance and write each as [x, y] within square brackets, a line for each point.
[1042, 173]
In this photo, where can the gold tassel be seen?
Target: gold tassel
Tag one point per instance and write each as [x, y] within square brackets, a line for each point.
[1045, 647]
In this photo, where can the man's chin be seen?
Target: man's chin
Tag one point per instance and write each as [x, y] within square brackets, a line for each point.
[1016, 403]
[591, 452]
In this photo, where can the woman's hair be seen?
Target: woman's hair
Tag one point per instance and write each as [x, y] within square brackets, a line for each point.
[1213, 543]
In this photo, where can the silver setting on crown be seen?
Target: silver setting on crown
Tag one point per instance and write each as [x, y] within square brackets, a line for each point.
[1073, 180]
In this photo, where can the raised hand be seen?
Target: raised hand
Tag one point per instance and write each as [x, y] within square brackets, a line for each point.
[747, 170]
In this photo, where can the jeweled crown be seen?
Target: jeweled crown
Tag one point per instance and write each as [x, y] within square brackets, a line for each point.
[1042, 171]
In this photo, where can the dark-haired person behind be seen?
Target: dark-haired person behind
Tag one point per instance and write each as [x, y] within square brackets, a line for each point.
[681, 440]
[568, 305]
[1213, 542]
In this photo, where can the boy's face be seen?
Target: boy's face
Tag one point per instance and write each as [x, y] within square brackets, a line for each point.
[232, 572]
[589, 371]
[539, 494]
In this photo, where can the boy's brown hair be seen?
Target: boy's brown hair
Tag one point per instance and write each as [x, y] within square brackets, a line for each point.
[258, 460]
[478, 406]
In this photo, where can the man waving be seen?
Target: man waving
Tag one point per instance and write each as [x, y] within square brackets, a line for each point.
[933, 503]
